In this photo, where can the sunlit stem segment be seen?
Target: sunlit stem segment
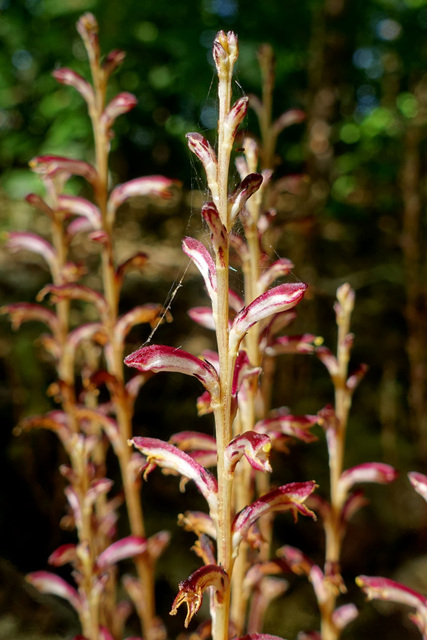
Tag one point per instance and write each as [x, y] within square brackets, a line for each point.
[225, 53]
[151, 630]
[243, 492]
[343, 398]
[267, 64]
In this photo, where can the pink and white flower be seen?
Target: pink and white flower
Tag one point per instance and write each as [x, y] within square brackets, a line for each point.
[165, 455]
[157, 358]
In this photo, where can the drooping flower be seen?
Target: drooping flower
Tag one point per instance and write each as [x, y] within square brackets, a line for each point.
[377, 588]
[191, 590]
[287, 497]
[170, 457]
[164, 358]
[255, 447]
[47, 582]
[204, 262]
[419, 482]
[280, 298]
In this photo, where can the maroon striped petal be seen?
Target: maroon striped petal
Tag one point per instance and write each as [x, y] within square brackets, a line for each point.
[203, 316]
[199, 522]
[125, 548]
[287, 497]
[342, 616]
[157, 358]
[47, 582]
[203, 150]
[74, 292]
[419, 482]
[81, 207]
[377, 588]
[72, 79]
[217, 229]
[366, 472]
[167, 456]
[292, 116]
[188, 440]
[143, 314]
[204, 262]
[120, 104]
[235, 117]
[244, 191]
[280, 298]
[295, 426]
[278, 269]
[20, 312]
[50, 166]
[225, 51]
[145, 186]
[62, 555]
[255, 447]
[24, 240]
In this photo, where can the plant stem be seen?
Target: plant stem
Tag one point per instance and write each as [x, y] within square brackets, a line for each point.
[89, 618]
[222, 412]
[334, 532]
[151, 629]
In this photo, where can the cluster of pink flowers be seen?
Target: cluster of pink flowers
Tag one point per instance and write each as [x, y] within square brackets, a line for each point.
[234, 533]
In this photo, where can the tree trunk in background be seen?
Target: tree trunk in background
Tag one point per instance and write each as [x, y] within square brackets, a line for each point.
[330, 54]
[415, 264]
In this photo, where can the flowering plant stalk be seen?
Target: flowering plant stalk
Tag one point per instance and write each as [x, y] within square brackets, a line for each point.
[234, 535]
[259, 271]
[344, 501]
[83, 424]
[231, 520]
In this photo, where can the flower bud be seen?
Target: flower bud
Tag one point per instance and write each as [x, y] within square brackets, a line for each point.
[87, 27]
[113, 60]
[120, 104]
[236, 116]
[225, 51]
[203, 150]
